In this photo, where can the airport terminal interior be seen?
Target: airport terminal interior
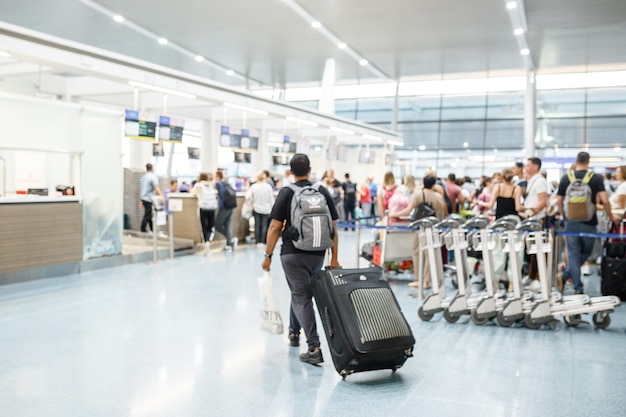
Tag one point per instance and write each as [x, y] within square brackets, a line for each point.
[99, 317]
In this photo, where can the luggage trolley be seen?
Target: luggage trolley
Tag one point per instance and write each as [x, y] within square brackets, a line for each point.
[431, 242]
[570, 308]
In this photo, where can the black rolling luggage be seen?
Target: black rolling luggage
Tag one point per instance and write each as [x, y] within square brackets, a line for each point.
[364, 325]
[613, 266]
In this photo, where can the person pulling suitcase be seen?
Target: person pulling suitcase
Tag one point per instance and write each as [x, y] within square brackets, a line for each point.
[307, 217]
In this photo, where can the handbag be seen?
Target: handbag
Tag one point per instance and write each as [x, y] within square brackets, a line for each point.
[246, 209]
[423, 210]
[271, 321]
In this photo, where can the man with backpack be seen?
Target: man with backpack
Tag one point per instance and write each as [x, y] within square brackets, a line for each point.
[306, 215]
[227, 198]
[579, 190]
[349, 199]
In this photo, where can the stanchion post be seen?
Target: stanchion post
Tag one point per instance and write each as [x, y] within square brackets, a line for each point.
[357, 231]
[170, 231]
[155, 232]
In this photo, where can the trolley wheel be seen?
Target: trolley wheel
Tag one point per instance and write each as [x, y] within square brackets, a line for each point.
[601, 320]
[554, 325]
[503, 321]
[572, 321]
[425, 316]
[450, 318]
[530, 324]
[477, 320]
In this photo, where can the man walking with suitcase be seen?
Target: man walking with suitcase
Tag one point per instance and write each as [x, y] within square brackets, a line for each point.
[301, 266]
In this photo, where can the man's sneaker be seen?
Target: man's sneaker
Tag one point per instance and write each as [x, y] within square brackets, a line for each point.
[212, 235]
[228, 248]
[294, 339]
[234, 242]
[585, 269]
[313, 358]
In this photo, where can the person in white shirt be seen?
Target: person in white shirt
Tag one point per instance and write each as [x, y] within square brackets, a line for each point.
[618, 198]
[261, 195]
[534, 207]
[204, 191]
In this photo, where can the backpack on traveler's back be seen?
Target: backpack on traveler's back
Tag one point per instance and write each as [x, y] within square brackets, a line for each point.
[230, 196]
[311, 222]
[579, 205]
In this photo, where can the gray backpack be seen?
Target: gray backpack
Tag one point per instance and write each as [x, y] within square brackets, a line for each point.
[311, 222]
[579, 206]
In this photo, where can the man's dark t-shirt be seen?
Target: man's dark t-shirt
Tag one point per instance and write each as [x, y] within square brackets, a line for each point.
[596, 184]
[282, 212]
[349, 191]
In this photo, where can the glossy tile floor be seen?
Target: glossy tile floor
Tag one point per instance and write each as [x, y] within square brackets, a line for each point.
[181, 338]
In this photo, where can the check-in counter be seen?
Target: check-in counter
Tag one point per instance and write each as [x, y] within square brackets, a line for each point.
[39, 231]
[187, 222]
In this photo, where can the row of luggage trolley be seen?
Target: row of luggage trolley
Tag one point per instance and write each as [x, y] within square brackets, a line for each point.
[483, 238]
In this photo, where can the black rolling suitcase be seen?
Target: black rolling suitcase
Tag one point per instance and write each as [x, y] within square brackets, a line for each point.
[364, 325]
[613, 266]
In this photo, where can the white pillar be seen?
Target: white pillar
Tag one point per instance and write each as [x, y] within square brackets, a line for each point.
[261, 158]
[210, 146]
[530, 120]
[140, 154]
[327, 101]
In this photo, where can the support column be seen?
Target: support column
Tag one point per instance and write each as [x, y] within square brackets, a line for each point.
[210, 146]
[530, 121]
[394, 115]
[261, 158]
[327, 101]
[140, 154]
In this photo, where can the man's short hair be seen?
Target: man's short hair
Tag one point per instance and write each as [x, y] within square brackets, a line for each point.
[429, 181]
[451, 177]
[535, 161]
[582, 158]
[519, 164]
[300, 165]
[148, 167]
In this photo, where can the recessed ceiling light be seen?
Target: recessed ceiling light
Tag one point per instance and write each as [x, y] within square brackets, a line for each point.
[363, 62]
[518, 32]
[524, 51]
[465, 144]
[118, 18]
[511, 5]
[199, 58]
[422, 147]
[162, 41]
[230, 72]
[316, 25]
[342, 45]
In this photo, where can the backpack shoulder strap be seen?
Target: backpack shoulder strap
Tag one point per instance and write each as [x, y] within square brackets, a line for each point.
[571, 176]
[588, 177]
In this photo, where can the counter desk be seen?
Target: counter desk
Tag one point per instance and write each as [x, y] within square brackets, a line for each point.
[40, 231]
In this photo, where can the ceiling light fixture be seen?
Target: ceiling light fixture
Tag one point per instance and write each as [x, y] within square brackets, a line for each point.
[363, 62]
[199, 58]
[511, 5]
[316, 25]
[230, 72]
[342, 45]
[340, 130]
[465, 144]
[372, 137]
[162, 41]
[5, 54]
[245, 108]
[395, 142]
[274, 145]
[525, 51]
[422, 148]
[617, 149]
[301, 121]
[161, 89]
[518, 32]
[118, 18]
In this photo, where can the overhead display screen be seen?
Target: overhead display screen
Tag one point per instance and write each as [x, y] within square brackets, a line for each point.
[140, 125]
[171, 129]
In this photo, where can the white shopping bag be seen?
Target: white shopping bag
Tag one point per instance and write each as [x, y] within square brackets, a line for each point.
[271, 321]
